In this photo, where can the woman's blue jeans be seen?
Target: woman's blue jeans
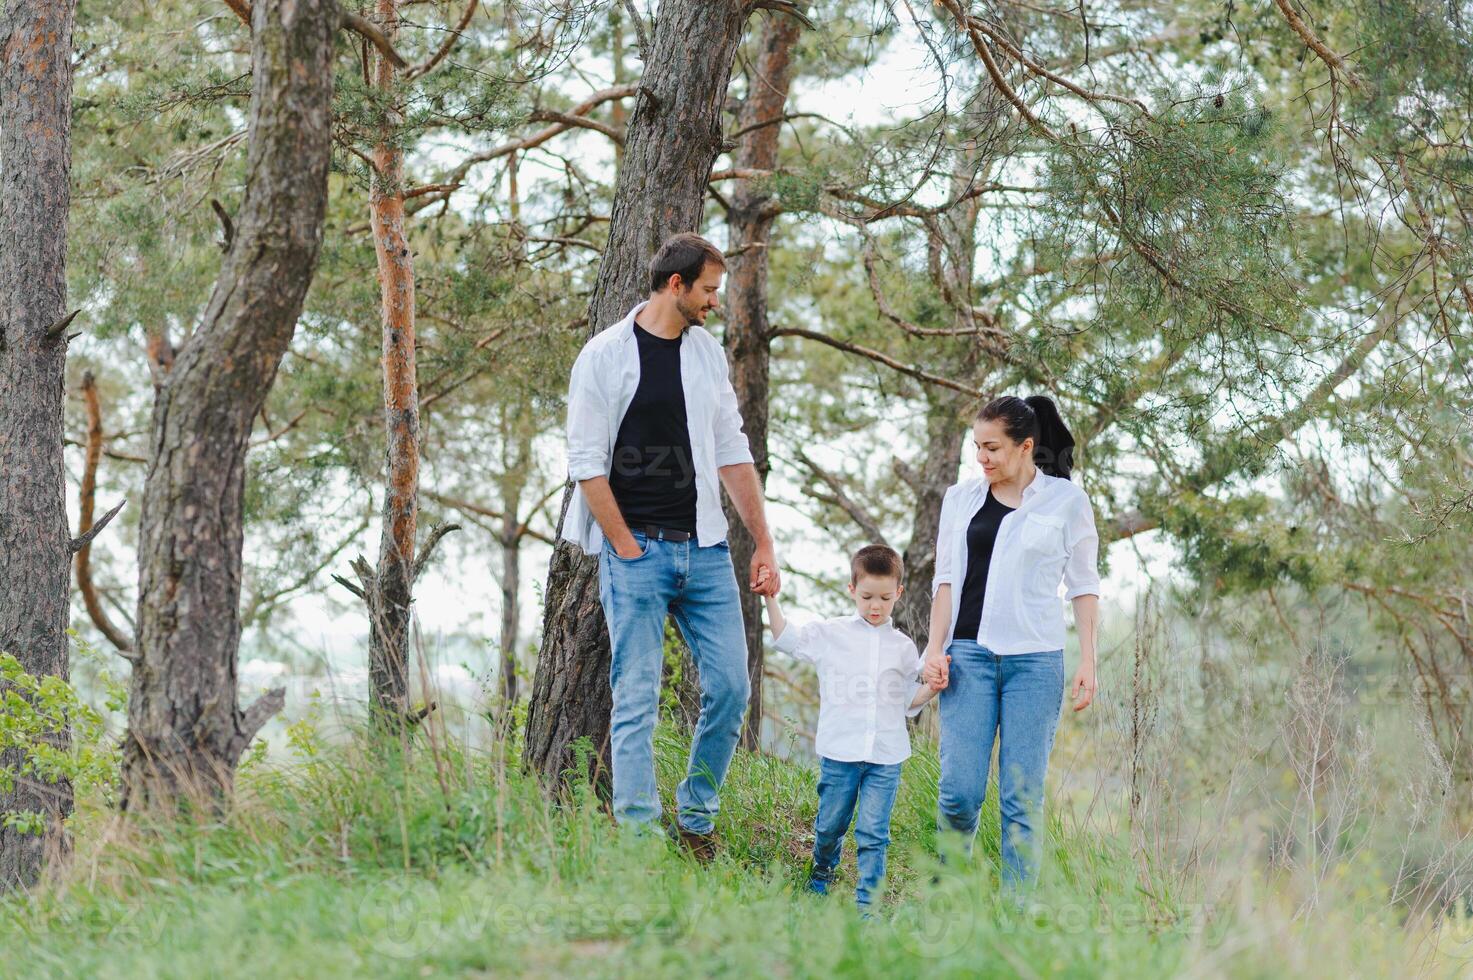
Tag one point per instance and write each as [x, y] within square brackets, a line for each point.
[844, 788]
[696, 585]
[1014, 699]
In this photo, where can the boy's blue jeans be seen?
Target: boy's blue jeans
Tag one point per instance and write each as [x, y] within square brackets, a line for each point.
[698, 586]
[844, 787]
[1015, 699]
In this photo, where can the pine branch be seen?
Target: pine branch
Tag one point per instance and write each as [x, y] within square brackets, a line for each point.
[369, 30]
[1339, 68]
[428, 65]
[428, 548]
[640, 30]
[885, 359]
[842, 500]
[351, 21]
[788, 7]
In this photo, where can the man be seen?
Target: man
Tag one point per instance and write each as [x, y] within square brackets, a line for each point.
[653, 435]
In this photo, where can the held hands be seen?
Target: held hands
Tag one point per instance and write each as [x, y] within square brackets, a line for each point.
[766, 580]
[937, 675]
[937, 670]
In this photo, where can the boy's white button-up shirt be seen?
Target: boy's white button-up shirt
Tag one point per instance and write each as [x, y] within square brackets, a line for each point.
[605, 377]
[1049, 538]
[867, 677]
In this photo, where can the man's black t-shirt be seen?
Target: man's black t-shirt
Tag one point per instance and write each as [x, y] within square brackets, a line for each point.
[653, 474]
[981, 536]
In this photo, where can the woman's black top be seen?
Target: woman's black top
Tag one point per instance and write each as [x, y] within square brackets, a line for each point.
[981, 535]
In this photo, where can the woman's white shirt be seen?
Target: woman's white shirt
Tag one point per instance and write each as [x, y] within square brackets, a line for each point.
[867, 677]
[1049, 538]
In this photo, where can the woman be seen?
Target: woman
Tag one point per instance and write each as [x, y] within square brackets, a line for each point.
[997, 626]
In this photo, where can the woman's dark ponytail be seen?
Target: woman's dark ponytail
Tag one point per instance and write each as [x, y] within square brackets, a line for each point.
[1037, 417]
[1054, 451]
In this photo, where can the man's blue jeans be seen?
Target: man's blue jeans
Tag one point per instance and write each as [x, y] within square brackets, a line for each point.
[842, 785]
[1015, 699]
[698, 586]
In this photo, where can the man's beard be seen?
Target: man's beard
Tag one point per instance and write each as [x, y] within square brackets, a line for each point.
[692, 313]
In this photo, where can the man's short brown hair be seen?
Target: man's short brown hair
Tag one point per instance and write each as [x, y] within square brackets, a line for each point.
[878, 560]
[684, 255]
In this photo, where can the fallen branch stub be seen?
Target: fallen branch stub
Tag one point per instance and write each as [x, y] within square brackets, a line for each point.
[436, 533]
[349, 586]
[254, 718]
[59, 327]
[227, 227]
[79, 543]
[364, 571]
[655, 101]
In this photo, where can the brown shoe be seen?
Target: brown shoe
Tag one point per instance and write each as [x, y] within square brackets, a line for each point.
[702, 847]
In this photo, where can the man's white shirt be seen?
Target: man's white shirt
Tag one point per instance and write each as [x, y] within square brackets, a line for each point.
[867, 677]
[605, 378]
[1050, 537]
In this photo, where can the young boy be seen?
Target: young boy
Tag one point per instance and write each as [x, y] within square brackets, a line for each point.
[867, 684]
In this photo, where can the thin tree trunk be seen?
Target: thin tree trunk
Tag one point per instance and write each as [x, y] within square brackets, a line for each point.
[617, 114]
[747, 341]
[953, 250]
[391, 591]
[186, 730]
[511, 584]
[35, 544]
[938, 471]
[88, 506]
[516, 464]
[674, 137]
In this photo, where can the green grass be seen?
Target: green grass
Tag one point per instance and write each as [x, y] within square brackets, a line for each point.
[360, 861]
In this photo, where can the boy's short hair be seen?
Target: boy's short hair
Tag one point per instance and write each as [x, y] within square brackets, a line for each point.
[878, 560]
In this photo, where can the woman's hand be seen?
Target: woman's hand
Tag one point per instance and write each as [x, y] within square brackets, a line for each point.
[1087, 622]
[1082, 691]
[937, 670]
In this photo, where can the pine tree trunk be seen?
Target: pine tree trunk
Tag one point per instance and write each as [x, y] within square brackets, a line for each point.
[391, 590]
[35, 544]
[752, 214]
[674, 136]
[511, 584]
[186, 730]
[952, 273]
[938, 471]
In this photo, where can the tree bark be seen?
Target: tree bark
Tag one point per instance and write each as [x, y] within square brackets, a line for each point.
[953, 250]
[747, 340]
[35, 544]
[938, 471]
[511, 584]
[186, 730]
[673, 139]
[391, 591]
